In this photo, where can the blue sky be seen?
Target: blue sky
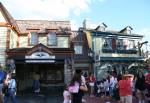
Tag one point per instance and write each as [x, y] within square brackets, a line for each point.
[116, 14]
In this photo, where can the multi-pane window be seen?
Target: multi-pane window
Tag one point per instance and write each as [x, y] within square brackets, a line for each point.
[63, 42]
[78, 49]
[33, 39]
[52, 39]
[107, 43]
[120, 44]
[131, 44]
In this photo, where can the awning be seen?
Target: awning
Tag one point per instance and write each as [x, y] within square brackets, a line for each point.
[122, 59]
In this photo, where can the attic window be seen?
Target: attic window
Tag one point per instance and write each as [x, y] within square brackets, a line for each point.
[128, 31]
[102, 28]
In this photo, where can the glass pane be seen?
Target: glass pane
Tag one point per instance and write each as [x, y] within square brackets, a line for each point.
[78, 49]
[33, 39]
[131, 44]
[107, 43]
[63, 42]
[52, 39]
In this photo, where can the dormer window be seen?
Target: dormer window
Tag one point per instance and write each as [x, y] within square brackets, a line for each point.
[129, 29]
[33, 38]
[101, 27]
[52, 38]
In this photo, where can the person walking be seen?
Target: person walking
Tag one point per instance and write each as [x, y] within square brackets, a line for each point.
[140, 86]
[36, 84]
[91, 81]
[11, 89]
[66, 95]
[77, 83]
[125, 88]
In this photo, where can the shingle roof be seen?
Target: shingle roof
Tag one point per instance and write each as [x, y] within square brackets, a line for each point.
[42, 25]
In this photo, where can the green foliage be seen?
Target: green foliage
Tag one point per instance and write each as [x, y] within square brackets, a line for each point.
[4, 68]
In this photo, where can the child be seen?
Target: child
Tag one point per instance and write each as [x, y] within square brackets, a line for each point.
[66, 95]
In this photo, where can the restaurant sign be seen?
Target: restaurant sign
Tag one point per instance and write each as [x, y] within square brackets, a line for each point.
[40, 57]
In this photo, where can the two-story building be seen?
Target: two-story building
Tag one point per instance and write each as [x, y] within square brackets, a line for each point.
[36, 47]
[112, 50]
[47, 48]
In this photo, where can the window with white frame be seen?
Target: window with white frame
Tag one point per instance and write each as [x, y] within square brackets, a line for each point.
[52, 39]
[131, 44]
[78, 49]
[107, 44]
[63, 42]
[120, 44]
[33, 38]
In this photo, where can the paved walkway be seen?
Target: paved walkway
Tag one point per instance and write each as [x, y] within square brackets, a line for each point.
[56, 99]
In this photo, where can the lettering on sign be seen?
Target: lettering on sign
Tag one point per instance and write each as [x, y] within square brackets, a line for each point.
[40, 61]
[40, 55]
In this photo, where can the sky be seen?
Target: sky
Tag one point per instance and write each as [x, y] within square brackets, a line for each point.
[116, 14]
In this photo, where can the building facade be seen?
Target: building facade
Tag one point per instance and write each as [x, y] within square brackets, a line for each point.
[47, 48]
[36, 47]
[116, 51]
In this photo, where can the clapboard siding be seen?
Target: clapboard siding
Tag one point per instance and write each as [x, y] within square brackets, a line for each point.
[13, 39]
[3, 34]
[23, 41]
[43, 40]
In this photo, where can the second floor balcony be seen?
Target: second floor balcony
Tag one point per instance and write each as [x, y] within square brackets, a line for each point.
[120, 51]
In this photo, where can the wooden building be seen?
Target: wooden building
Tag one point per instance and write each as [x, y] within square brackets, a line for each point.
[36, 47]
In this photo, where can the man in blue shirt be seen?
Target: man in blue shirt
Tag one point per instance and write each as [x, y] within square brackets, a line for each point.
[11, 90]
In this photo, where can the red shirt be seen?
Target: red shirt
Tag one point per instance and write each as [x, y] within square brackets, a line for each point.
[125, 88]
[91, 79]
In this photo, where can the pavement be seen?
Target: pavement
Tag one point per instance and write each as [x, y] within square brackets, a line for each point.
[39, 99]
[58, 99]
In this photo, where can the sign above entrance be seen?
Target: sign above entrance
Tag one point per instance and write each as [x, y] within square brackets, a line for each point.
[40, 55]
[40, 61]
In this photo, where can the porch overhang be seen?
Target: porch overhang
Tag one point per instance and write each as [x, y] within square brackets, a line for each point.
[122, 59]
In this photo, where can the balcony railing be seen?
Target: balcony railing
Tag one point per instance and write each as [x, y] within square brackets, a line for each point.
[131, 51]
[121, 51]
[108, 50]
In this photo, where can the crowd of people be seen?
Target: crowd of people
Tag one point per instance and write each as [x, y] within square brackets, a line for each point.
[117, 88]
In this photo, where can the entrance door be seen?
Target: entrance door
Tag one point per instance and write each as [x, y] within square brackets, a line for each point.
[50, 75]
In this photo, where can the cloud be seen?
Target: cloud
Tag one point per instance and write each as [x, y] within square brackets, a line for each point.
[46, 9]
